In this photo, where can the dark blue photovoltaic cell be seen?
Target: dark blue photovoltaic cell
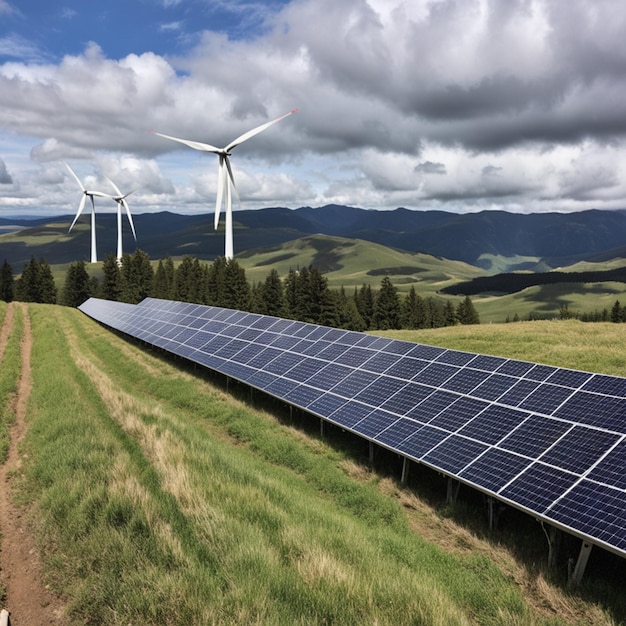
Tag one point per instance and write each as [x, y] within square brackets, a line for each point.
[380, 362]
[327, 404]
[397, 432]
[608, 385]
[436, 374]
[539, 486]
[454, 453]
[329, 376]
[540, 372]
[432, 406]
[596, 510]
[375, 423]
[428, 353]
[420, 443]
[354, 383]
[546, 399]
[534, 436]
[578, 449]
[454, 357]
[465, 380]
[382, 387]
[594, 410]
[354, 356]
[303, 395]
[350, 414]
[304, 370]
[569, 378]
[494, 387]
[494, 423]
[481, 418]
[331, 352]
[612, 469]
[282, 363]
[514, 368]
[280, 387]
[402, 403]
[494, 469]
[518, 392]
[486, 363]
[458, 414]
[406, 368]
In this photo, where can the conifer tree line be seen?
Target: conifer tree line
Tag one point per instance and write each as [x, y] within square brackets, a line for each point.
[302, 294]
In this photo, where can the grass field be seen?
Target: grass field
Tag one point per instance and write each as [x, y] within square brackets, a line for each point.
[159, 499]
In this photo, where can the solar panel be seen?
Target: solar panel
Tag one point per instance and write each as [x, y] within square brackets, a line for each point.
[548, 440]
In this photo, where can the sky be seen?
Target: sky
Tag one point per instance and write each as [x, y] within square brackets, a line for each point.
[455, 105]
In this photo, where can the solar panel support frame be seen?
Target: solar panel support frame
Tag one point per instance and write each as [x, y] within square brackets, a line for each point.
[581, 564]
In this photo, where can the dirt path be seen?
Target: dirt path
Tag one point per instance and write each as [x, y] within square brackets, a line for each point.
[28, 600]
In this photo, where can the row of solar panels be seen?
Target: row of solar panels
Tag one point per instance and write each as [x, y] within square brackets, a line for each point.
[548, 440]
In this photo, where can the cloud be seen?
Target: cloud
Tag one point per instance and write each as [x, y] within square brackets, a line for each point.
[5, 177]
[515, 103]
[428, 167]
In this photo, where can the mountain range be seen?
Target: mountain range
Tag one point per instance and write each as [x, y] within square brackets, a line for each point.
[494, 241]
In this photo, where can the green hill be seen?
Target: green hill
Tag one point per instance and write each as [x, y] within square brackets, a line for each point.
[353, 262]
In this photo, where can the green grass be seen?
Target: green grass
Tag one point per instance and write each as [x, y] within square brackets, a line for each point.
[353, 262]
[597, 347]
[160, 500]
[10, 364]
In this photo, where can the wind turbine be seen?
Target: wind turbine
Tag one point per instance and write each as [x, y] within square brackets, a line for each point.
[225, 178]
[81, 206]
[120, 199]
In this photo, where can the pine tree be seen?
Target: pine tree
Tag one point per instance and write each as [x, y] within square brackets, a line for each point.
[111, 288]
[163, 285]
[365, 304]
[291, 293]
[184, 280]
[616, 312]
[349, 316]
[412, 310]
[466, 313]
[271, 296]
[387, 306]
[137, 277]
[7, 282]
[236, 288]
[77, 286]
[215, 282]
[449, 314]
[36, 284]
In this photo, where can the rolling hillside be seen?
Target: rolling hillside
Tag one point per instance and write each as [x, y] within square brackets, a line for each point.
[495, 241]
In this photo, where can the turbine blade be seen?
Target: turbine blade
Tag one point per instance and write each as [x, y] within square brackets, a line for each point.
[196, 145]
[130, 217]
[256, 131]
[73, 173]
[221, 175]
[81, 206]
[117, 190]
[232, 180]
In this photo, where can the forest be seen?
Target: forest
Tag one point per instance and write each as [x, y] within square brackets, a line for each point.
[303, 294]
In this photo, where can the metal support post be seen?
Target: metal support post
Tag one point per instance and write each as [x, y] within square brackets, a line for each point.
[581, 564]
[405, 471]
[322, 428]
[453, 490]
[371, 452]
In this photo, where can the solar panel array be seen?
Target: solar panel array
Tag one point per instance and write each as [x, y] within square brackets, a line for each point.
[547, 440]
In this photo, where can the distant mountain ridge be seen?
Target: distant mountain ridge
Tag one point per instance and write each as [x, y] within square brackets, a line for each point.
[552, 239]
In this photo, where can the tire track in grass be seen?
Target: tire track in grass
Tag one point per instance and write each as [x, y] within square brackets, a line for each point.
[27, 598]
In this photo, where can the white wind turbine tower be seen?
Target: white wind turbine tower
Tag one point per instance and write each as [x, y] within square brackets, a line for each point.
[225, 179]
[120, 199]
[81, 206]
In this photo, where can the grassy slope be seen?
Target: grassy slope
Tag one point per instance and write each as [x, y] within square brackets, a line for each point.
[597, 347]
[161, 500]
[350, 262]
